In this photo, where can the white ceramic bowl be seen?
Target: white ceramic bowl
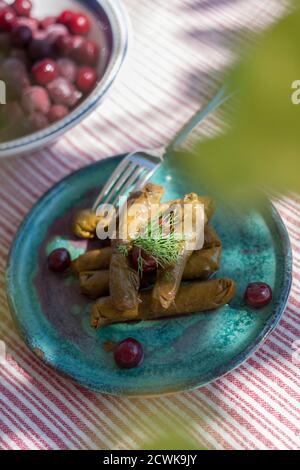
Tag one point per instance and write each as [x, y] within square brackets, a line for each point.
[109, 18]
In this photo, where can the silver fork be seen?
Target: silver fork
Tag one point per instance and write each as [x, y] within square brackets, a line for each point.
[138, 167]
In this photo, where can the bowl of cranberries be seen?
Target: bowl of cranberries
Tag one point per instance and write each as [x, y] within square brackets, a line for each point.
[57, 61]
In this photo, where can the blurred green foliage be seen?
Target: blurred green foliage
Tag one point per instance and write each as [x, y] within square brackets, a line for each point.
[173, 438]
[171, 443]
[262, 149]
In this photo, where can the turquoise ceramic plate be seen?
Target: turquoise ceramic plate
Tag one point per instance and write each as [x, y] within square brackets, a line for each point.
[181, 353]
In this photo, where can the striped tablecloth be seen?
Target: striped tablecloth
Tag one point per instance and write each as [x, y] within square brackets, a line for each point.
[179, 49]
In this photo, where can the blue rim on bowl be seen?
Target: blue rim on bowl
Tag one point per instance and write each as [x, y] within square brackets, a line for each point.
[120, 26]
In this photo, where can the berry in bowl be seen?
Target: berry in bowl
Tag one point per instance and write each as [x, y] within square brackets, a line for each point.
[57, 61]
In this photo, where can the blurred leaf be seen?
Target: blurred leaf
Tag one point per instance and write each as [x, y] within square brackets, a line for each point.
[263, 145]
[174, 435]
[172, 443]
[173, 440]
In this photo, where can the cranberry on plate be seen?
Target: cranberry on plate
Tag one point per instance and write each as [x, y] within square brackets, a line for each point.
[44, 71]
[149, 264]
[86, 79]
[128, 354]
[258, 294]
[8, 19]
[22, 7]
[59, 260]
[79, 24]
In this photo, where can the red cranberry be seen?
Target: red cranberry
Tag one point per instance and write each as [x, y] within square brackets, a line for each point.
[87, 53]
[31, 23]
[8, 19]
[55, 31]
[64, 45]
[149, 263]
[86, 79]
[40, 34]
[79, 24]
[59, 260]
[62, 91]
[76, 44]
[48, 21]
[15, 74]
[36, 98]
[67, 69]
[44, 71]
[21, 36]
[65, 17]
[39, 49]
[258, 294]
[57, 112]
[128, 354]
[37, 121]
[22, 7]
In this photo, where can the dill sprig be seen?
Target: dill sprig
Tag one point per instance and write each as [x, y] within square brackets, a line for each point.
[159, 240]
[123, 249]
[165, 251]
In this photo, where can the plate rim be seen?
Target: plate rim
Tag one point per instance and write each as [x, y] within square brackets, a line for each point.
[213, 375]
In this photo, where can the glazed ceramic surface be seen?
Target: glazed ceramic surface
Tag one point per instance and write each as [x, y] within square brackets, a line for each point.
[110, 28]
[180, 353]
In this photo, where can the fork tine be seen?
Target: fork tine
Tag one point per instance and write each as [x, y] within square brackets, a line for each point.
[144, 178]
[114, 177]
[131, 173]
[121, 181]
[130, 182]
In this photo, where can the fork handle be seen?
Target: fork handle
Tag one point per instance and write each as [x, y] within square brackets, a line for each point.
[221, 97]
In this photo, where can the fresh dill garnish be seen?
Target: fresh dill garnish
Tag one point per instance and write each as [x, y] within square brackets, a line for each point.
[159, 240]
[123, 249]
[165, 251]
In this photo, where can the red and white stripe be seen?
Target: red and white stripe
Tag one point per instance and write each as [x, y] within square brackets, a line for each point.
[169, 74]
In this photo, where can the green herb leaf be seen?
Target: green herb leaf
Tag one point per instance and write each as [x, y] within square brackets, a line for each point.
[123, 249]
[160, 241]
